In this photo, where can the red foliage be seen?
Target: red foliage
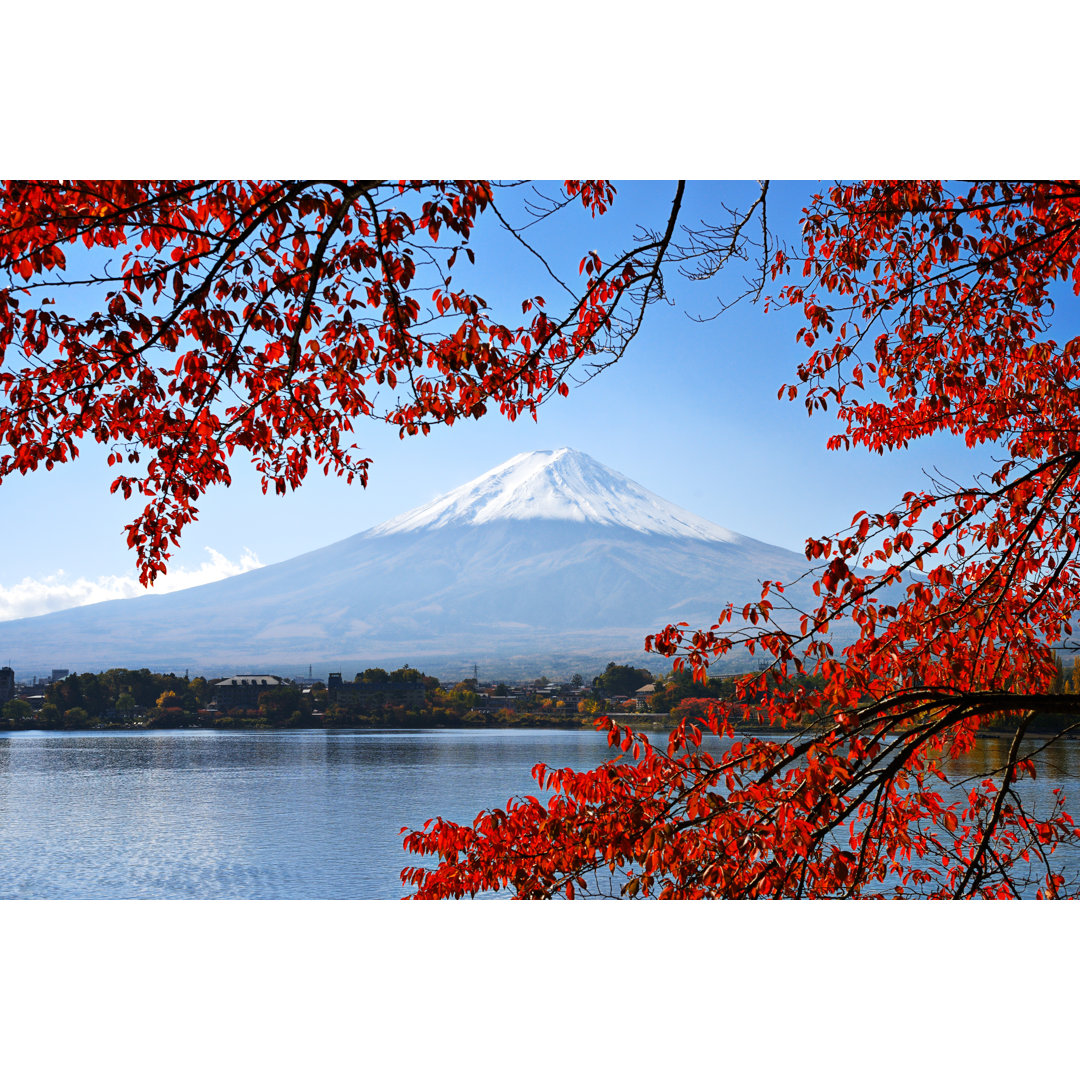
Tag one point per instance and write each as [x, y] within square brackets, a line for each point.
[263, 317]
[924, 310]
[694, 709]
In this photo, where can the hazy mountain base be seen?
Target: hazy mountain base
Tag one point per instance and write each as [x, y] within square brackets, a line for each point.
[449, 666]
[528, 598]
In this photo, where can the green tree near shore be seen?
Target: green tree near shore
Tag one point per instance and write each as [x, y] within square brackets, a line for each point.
[621, 680]
[16, 711]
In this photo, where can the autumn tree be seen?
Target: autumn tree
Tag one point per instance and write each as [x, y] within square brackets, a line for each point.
[925, 308]
[279, 703]
[178, 322]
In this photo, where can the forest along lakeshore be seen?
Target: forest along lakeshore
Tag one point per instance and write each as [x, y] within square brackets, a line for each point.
[122, 699]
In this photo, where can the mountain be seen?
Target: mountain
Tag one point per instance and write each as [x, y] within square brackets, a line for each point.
[547, 562]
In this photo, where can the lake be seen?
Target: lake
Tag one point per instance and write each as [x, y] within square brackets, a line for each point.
[274, 815]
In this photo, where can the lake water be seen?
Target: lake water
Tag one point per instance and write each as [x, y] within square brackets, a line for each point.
[273, 815]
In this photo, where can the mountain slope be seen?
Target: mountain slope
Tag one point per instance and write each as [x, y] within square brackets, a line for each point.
[556, 485]
[550, 553]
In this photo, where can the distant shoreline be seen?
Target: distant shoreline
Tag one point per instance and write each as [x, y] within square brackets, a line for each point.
[652, 723]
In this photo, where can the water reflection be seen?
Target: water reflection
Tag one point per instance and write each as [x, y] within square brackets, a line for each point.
[297, 815]
[1054, 760]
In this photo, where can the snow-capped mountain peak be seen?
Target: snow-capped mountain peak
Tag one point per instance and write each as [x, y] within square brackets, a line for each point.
[564, 485]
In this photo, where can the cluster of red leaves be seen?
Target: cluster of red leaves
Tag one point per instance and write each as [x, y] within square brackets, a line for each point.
[828, 814]
[263, 317]
[924, 310]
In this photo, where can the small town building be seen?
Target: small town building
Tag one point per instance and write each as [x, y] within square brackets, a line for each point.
[642, 694]
[7, 684]
[242, 691]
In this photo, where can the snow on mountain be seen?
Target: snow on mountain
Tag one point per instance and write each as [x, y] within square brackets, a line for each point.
[548, 555]
[560, 485]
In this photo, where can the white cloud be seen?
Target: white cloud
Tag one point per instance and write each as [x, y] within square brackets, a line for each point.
[56, 591]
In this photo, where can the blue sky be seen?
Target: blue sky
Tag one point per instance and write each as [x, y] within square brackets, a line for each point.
[691, 412]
